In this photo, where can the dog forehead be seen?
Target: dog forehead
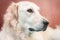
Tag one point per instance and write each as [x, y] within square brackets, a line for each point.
[27, 5]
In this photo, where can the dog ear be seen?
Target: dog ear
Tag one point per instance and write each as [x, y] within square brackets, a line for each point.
[11, 16]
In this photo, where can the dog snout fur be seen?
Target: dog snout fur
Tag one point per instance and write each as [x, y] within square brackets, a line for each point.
[40, 28]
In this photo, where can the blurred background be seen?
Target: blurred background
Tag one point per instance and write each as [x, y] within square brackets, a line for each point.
[49, 9]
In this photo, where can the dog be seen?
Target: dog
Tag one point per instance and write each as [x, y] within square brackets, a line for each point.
[21, 20]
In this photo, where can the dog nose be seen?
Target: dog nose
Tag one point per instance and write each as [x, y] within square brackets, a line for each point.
[45, 22]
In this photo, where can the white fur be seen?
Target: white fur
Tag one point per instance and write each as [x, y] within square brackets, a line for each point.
[55, 34]
[17, 21]
[49, 34]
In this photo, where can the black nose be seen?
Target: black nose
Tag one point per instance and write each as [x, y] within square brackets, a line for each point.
[45, 22]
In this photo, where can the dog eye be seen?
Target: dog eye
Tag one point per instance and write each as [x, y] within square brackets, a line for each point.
[30, 10]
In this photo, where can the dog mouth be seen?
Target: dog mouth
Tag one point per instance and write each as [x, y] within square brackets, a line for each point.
[39, 29]
[31, 29]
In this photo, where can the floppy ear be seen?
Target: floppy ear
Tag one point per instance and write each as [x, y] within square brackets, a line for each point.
[11, 16]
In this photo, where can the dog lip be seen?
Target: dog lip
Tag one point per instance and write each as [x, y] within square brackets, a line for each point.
[43, 29]
[31, 29]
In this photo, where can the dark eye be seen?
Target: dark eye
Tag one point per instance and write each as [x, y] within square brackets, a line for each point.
[30, 10]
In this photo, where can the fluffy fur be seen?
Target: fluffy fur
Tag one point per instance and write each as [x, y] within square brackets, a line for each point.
[19, 18]
[53, 34]
[49, 34]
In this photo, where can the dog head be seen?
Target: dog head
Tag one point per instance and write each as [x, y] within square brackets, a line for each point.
[25, 15]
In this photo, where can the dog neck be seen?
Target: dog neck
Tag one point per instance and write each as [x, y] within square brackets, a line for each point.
[19, 34]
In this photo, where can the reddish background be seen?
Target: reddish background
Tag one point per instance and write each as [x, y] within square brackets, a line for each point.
[49, 9]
